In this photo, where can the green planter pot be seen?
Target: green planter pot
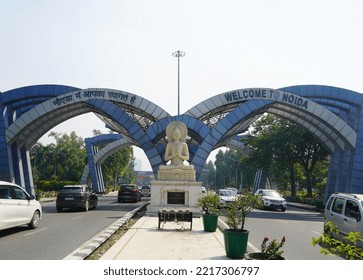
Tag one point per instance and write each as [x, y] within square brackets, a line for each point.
[261, 256]
[210, 222]
[235, 243]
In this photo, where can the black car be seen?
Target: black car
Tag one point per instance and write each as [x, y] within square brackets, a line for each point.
[129, 192]
[76, 196]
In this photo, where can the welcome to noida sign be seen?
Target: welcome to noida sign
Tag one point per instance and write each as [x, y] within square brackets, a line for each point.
[268, 94]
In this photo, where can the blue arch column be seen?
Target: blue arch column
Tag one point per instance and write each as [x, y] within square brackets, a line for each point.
[356, 160]
[20, 168]
[94, 170]
[15, 163]
[5, 153]
[92, 149]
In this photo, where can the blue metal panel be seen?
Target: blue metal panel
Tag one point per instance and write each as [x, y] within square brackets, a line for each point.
[232, 117]
[148, 145]
[152, 153]
[192, 123]
[140, 137]
[155, 161]
[204, 131]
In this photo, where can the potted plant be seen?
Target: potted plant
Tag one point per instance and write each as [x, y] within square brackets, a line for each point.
[269, 251]
[236, 236]
[209, 202]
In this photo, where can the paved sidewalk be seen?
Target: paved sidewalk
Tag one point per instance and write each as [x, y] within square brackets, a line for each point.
[145, 242]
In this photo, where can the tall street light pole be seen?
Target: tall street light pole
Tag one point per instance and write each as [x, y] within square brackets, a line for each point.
[178, 54]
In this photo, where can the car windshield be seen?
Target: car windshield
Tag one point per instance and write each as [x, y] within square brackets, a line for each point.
[271, 193]
[127, 188]
[74, 189]
[226, 193]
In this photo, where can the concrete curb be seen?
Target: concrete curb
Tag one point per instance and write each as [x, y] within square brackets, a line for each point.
[91, 245]
[305, 207]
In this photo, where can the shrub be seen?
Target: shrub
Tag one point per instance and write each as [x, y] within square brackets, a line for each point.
[346, 248]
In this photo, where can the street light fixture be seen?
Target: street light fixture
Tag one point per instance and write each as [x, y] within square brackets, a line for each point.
[178, 54]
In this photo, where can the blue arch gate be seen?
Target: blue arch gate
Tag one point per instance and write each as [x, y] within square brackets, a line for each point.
[331, 114]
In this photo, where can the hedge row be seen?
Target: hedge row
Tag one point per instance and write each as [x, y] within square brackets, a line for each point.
[48, 186]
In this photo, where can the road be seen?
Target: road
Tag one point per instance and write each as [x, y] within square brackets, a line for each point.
[59, 234]
[297, 225]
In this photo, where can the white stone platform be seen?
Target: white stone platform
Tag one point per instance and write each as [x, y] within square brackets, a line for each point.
[162, 193]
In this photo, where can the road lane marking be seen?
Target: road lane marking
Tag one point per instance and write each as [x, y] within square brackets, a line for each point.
[254, 249]
[76, 218]
[283, 221]
[33, 232]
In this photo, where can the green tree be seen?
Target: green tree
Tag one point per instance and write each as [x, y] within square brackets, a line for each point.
[69, 156]
[229, 168]
[120, 165]
[281, 144]
[65, 159]
[208, 177]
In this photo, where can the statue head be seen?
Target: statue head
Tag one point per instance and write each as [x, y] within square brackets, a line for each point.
[175, 128]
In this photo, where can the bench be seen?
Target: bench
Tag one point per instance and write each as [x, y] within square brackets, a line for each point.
[178, 216]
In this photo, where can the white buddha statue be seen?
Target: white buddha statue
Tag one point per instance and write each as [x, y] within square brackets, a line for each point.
[176, 150]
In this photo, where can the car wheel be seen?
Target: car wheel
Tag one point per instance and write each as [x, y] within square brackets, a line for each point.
[86, 206]
[283, 210]
[59, 209]
[96, 202]
[35, 220]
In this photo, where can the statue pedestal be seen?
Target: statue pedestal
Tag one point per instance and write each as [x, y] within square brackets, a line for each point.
[176, 175]
[177, 195]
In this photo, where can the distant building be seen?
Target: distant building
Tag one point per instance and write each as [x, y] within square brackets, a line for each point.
[144, 177]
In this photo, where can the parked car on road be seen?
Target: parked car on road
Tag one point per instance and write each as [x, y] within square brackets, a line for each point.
[345, 211]
[17, 207]
[76, 196]
[226, 196]
[272, 199]
[128, 192]
[233, 189]
[145, 190]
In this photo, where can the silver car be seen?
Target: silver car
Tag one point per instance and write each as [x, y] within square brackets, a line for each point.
[17, 207]
[345, 211]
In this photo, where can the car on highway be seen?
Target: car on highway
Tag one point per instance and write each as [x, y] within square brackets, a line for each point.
[76, 196]
[345, 211]
[128, 192]
[271, 199]
[17, 207]
[226, 196]
[145, 190]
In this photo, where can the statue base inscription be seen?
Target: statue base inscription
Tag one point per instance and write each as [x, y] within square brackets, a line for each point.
[187, 175]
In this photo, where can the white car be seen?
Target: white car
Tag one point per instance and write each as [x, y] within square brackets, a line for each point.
[272, 199]
[17, 207]
[145, 190]
[226, 196]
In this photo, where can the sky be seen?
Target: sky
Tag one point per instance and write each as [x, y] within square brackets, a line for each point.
[128, 44]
